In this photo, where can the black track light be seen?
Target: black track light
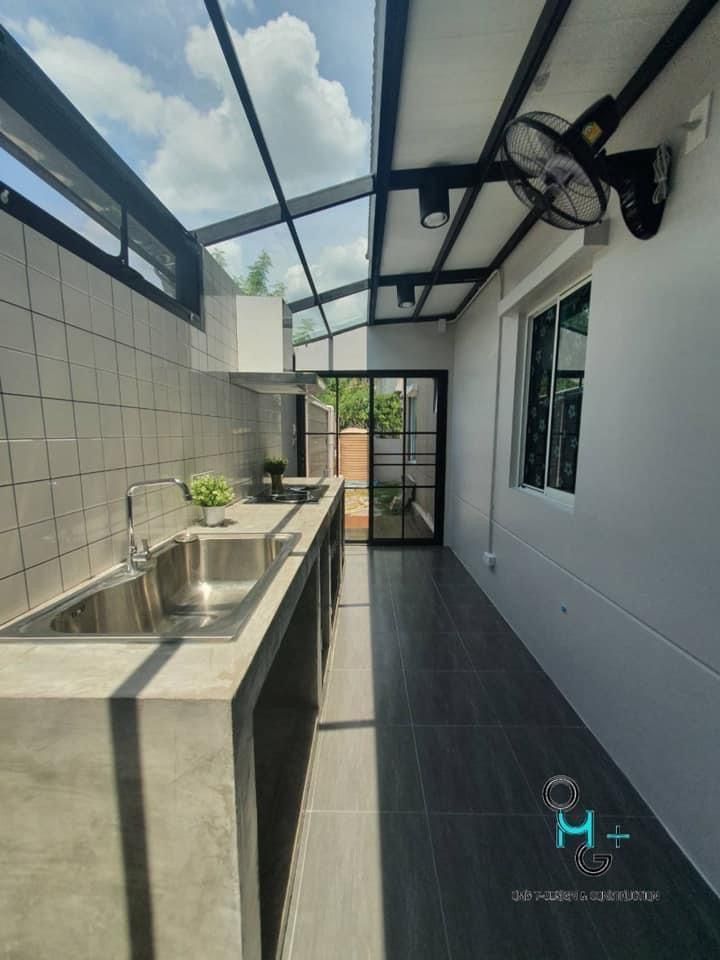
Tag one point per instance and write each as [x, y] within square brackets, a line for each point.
[405, 294]
[434, 204]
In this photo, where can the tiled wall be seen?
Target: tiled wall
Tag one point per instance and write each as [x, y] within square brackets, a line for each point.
[99, 388]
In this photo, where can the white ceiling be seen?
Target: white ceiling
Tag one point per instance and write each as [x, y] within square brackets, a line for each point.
[496, 213]
[599, 46]
[459, 62]
[409, 246]
[445, 298]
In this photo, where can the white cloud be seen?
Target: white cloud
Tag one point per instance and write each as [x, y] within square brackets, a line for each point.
[202, 161]
[335, 265]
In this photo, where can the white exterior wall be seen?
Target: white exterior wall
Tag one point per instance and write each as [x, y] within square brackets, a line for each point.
[403, 346]
[636, 562]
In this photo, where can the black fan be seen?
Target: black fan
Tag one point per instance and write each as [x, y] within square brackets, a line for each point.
[561, 171]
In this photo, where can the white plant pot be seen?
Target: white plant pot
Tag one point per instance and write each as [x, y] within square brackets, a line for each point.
[214, 516]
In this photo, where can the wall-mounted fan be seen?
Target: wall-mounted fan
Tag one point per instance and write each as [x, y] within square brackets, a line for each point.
[561, 171]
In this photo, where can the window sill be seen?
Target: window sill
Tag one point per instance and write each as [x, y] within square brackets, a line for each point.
[565, 505]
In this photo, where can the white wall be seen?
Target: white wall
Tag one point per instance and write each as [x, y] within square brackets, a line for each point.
[403, 346]
[636, 562]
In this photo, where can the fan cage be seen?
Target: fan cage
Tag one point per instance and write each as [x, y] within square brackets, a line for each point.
[544, 171]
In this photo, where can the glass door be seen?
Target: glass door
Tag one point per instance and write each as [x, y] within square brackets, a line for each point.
[385, 434]
[406, 453]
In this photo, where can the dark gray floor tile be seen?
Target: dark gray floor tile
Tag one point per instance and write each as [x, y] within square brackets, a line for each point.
[367, 769]
[363, 650]
[498, 649]
[481, 860]
[477, 616]
[471, 770]
[357, 620]
[358, 696]
[423, 650]
[684, 922]
[527, 697]
[422, 614]
[368, 890]
[447, 696]
[544, 752]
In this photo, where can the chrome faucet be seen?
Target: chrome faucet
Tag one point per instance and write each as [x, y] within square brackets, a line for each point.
[138, 557]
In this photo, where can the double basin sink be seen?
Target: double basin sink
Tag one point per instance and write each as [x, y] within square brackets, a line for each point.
[197, 589]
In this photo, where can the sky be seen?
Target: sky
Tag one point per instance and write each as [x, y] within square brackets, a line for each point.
[151, 78]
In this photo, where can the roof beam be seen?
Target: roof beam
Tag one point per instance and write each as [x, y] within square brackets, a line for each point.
[392, 18]
[239, 226]
[682, 27]
[453, 176]
[466, 275]
[327, 296]
[469, 275]
[332, 196]
[217, 18]
[272, 215]
[542, 36]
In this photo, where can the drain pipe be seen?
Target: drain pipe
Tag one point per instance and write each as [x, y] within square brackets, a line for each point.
[498, 366]
[491, 508]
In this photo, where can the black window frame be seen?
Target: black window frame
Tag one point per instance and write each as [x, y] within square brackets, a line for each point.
[553, 493]
[35, 98]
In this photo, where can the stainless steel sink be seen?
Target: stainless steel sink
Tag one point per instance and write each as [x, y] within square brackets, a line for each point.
[201, 589]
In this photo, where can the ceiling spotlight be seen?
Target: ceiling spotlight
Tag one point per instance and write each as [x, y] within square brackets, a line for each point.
[434, 204]
[405, 294]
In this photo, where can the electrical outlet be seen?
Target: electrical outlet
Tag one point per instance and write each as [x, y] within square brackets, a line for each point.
[489, 559]
[698, 123]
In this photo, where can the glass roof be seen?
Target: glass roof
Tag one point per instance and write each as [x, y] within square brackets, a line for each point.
[283, 273]
[153, 81]
[308, 324]
[308, 66]
[335, 243]
[348, 312]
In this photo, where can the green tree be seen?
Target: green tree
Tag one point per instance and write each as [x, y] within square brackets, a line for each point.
[304, 331]
[256, 283]
[353, 405]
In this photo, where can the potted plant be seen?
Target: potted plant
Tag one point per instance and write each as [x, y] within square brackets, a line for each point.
[213, 493]
[275, 466]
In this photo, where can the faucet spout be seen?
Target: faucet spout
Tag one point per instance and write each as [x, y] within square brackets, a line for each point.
[139, 556]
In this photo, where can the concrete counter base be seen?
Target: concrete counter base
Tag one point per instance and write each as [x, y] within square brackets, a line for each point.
[129, 824]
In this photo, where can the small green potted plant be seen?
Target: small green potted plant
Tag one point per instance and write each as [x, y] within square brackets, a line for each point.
[275, 466]
[213, 493]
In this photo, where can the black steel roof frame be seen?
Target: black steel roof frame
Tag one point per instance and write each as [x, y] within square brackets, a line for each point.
[465, 275]
[546, 28]
[682, 27]
[297, 207]
[219, 24]
[453, 176]
[391, 23]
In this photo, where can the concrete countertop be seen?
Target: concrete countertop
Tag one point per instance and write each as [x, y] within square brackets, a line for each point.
[182, 671]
